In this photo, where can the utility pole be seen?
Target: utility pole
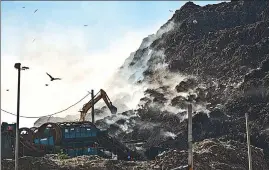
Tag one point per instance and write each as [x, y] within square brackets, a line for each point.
[190, 154]
[92, 106]
[18, 66]
[0, 144]
[248, 143]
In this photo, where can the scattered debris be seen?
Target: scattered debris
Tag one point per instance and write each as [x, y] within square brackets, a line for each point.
[208, 154]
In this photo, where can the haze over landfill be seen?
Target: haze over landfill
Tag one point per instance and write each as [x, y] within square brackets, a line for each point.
[55, 40]
[214, 57]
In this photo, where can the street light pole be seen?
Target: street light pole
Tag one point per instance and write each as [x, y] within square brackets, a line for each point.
[18, 66]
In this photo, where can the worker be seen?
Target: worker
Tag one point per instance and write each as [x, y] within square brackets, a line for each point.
[129, 157]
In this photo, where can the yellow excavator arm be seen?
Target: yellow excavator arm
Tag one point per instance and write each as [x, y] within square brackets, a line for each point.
[100, 95]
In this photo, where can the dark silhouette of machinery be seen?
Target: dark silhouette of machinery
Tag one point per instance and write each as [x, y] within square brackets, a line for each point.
[100, 95]
[73, 138]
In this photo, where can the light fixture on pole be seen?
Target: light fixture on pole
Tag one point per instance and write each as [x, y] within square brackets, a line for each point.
[18, 66]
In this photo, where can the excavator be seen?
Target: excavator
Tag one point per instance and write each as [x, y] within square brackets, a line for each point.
[100, 95]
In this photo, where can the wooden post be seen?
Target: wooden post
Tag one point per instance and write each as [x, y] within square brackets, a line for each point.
[0, 144]
[92, 106]
[248, 143]
[0, 141]
[190, 154]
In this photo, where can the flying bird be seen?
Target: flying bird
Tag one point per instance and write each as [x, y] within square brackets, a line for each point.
[171, 10]
[46, 84]
[35, 10]
[85, 25]
[33, 40]
[52, 78]
[7, 90]
[23, 7]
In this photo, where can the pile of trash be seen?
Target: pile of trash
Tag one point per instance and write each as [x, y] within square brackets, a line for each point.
[210, 154]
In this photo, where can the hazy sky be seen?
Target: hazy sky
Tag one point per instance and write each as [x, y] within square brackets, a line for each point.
[55, 40]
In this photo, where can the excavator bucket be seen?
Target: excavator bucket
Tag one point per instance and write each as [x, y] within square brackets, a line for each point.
[113, 109]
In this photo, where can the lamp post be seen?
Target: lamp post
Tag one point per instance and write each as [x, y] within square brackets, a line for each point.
[18, 66]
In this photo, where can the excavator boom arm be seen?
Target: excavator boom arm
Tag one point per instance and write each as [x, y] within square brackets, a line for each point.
[88, 105]
[101, 94]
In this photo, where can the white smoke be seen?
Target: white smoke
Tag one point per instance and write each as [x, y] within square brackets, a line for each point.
[169, 134]
[124, 94]
[167, 27]
[122, 86]
[66, 57]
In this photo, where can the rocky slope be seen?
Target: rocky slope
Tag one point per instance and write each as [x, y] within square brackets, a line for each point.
[215, 57]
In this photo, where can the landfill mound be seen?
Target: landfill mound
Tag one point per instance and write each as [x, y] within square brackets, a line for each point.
[215, 57]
